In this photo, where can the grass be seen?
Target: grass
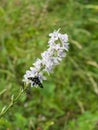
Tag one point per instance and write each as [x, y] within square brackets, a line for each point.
[69, 100]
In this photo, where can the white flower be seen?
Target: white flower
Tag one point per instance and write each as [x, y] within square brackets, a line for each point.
[58, 45]
[38, 64]
[61, 53]
[55, 35]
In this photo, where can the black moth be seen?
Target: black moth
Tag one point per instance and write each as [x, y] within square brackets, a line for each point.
[36, 81]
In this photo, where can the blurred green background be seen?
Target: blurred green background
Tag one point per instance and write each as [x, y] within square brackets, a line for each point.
[69, 100]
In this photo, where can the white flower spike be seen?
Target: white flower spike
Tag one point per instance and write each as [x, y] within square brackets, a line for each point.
[58, 45]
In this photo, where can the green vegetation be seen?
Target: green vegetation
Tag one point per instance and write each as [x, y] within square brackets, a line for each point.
[69, 100]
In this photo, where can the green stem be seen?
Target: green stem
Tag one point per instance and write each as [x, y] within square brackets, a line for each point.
[13, 101]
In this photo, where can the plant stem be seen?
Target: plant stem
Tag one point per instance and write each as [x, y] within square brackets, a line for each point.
[13, 101]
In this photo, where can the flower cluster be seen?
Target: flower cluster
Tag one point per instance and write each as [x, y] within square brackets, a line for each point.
[58, 45]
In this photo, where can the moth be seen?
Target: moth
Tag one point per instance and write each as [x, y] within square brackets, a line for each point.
[36, 81]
